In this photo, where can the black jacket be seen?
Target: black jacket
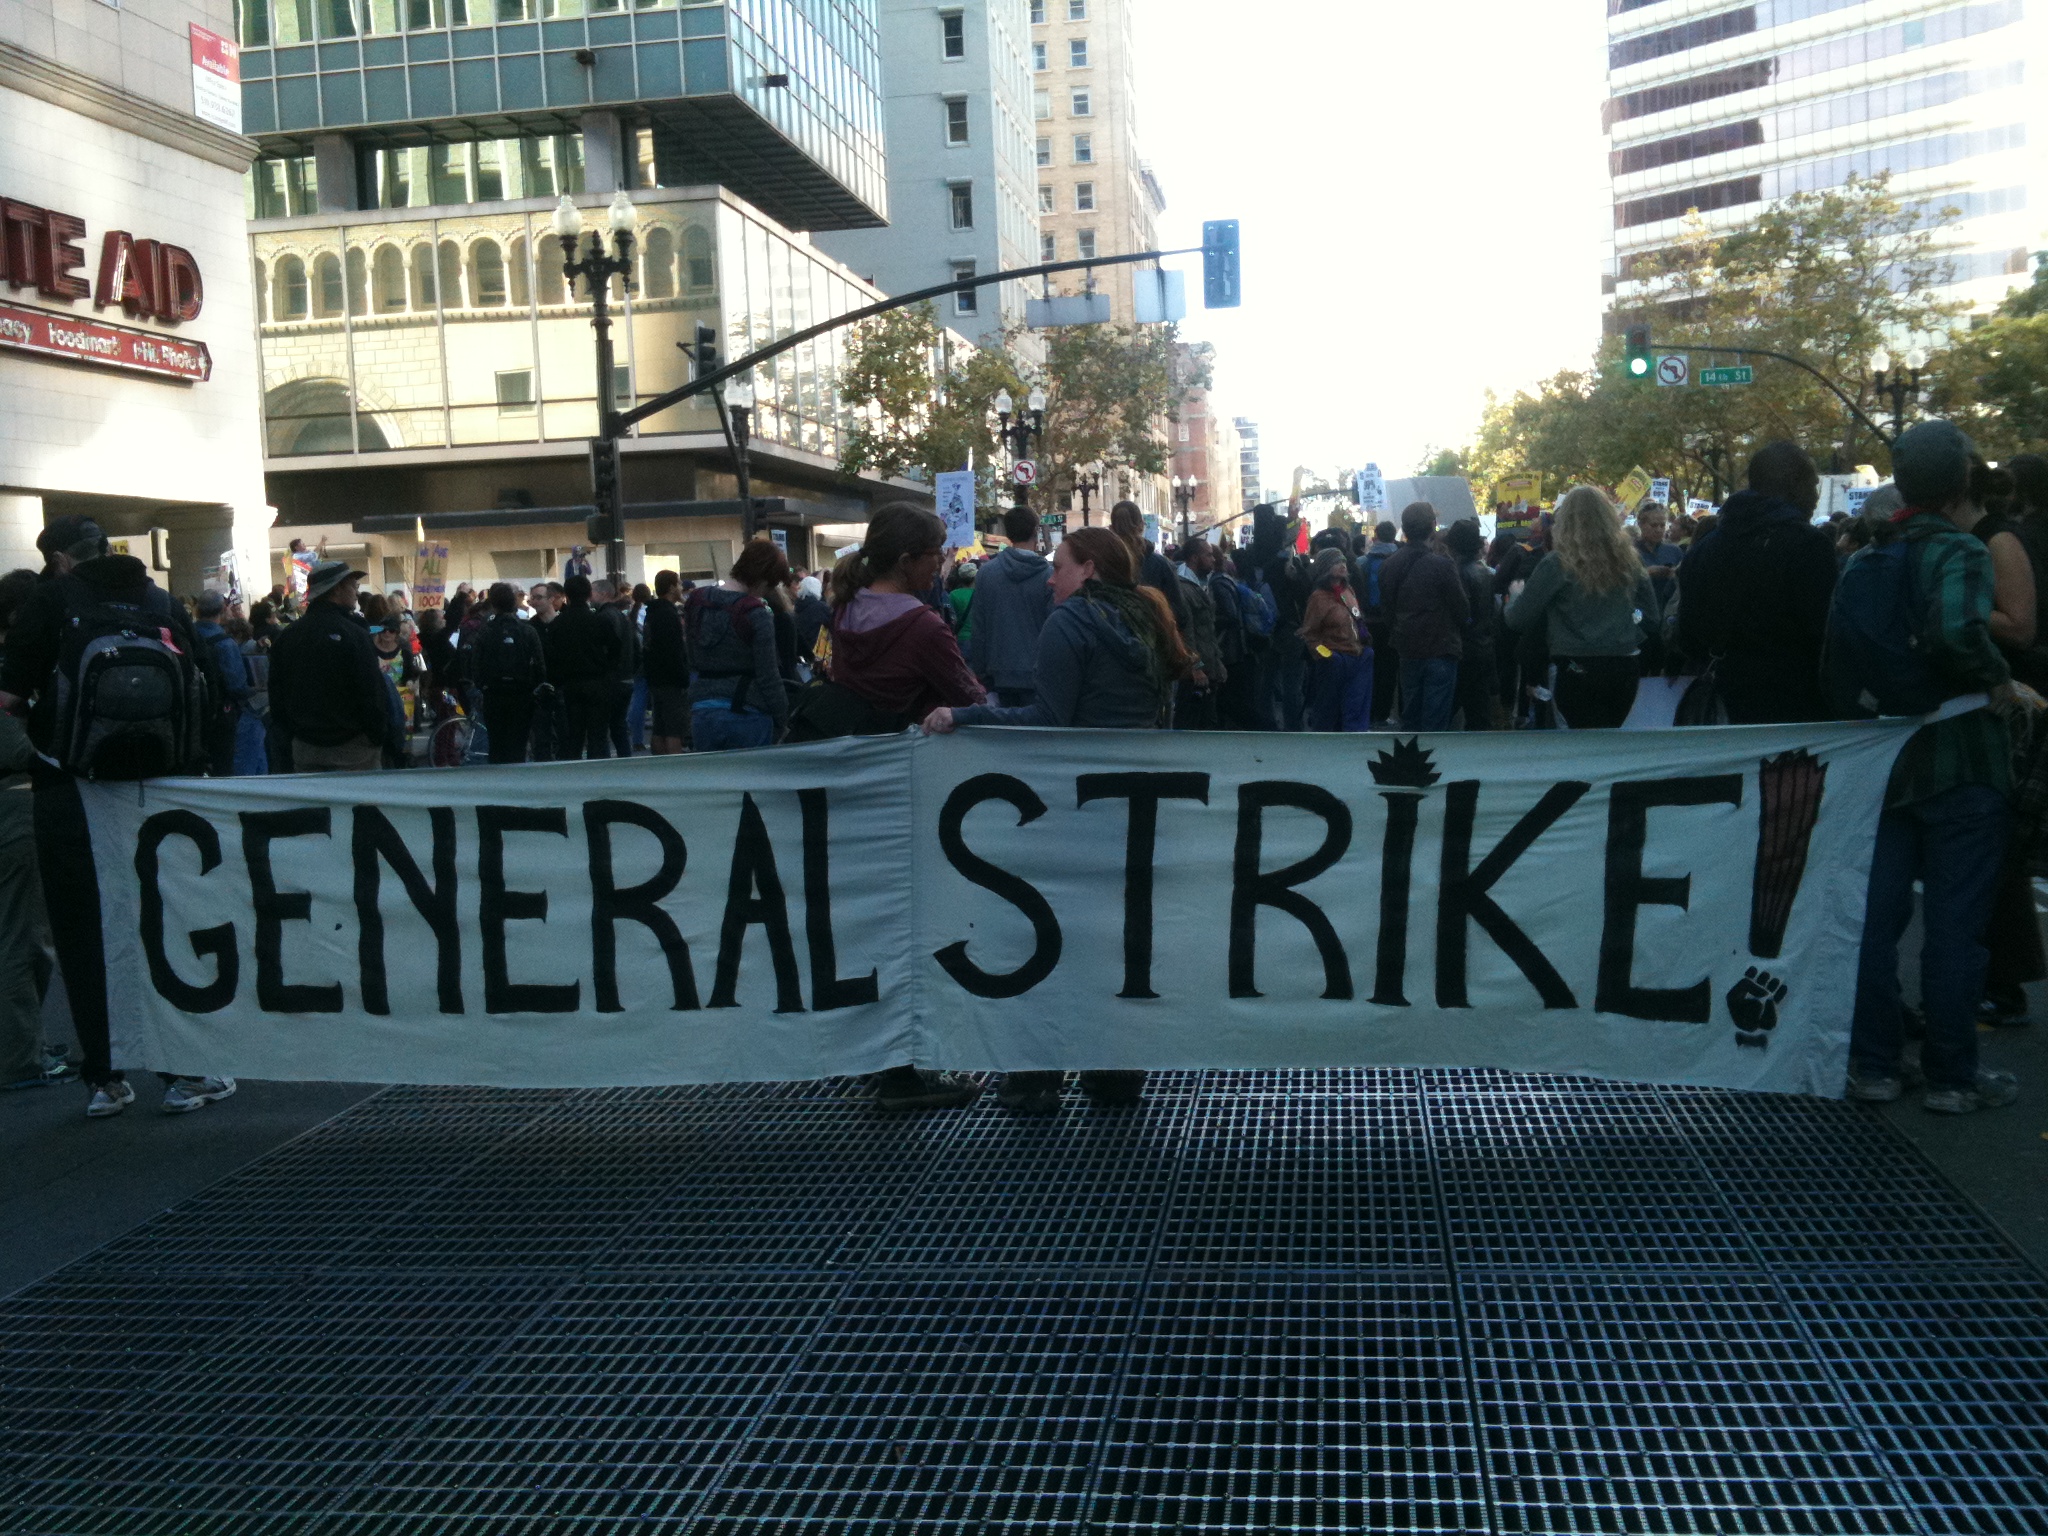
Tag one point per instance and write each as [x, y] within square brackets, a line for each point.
[667, 659]
[325, 685]
[582, 646]
[1753, 597]
[505, 654]
[36, 638]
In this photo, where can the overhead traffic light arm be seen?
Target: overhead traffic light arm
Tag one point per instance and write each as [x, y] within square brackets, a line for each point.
[705, 381]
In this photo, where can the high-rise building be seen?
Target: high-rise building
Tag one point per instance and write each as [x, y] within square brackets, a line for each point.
[962, 185]
[1096, 195]
[1725, 109]
[128, 375]
[1207, 450]
[1249, 483]
[422, 357]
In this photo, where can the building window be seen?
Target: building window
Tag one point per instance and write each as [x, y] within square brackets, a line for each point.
[1077, 10]
[1084, 242]
[1041, 105]
[1084, 197]
[1077, 53]
[1084, 149]
[953, 35]
[962, 194]
[1045, 200]
[1084, 106]
[1048, 247]
[327, 294]
[515, 392]
[1038, 56]
[290, 300]
[1045, 151]
[956, 119]
[1038, 13]
[968, 300]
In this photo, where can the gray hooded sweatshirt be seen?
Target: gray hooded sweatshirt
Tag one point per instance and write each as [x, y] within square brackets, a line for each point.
[1091, 672]
[1012, 596]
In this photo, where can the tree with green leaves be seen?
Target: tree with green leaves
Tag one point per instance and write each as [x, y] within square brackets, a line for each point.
[1825, 276]
[1993, 383]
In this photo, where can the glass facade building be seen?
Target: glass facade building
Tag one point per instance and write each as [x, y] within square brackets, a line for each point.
[779, 99]
[390, 331]
[1723, 109]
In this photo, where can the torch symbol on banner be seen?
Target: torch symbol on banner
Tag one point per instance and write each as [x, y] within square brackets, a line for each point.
[1789, 788]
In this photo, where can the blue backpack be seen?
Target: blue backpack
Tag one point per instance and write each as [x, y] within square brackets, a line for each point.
[1256, 604]
[1876, 662]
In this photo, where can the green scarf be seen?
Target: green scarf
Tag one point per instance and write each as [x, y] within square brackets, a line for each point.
[1142, 619]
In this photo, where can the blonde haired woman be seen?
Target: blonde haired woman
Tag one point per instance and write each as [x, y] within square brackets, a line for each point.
[1597, 603]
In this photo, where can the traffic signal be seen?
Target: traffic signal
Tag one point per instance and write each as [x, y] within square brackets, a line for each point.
[706, 351]
[1220, 278]
[1637, 352]
[603, 525]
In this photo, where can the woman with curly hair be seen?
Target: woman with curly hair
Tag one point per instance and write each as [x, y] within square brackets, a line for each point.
[1597, 604]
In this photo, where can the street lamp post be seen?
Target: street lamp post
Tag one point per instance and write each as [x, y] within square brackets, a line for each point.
[1898, 385]
[1184, 498]
[1086, 485]
[1016, 429]
[597, 269]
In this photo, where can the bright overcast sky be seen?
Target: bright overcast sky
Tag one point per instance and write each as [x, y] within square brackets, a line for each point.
[1420, 189]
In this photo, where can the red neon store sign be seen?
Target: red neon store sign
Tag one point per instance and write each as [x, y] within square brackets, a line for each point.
[147, 278]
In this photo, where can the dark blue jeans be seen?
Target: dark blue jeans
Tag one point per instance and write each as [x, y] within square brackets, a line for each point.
[1952, 843]
[1429, 693]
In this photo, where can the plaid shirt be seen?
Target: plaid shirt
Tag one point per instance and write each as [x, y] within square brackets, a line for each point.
[1954, 572]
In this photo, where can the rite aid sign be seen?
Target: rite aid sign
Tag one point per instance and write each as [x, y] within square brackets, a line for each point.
[40, 249]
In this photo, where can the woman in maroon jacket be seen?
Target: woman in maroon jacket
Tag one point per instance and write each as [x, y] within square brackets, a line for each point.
[894, 652]
[889, 646]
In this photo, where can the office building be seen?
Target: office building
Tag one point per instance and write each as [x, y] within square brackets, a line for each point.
[1096, 195]
[962, 192]
[128, 375]
[1726, 109]
[424, 363]
[1249, 482]
[1206, 449]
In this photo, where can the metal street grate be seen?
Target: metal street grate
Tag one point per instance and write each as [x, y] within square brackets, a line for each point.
[1416, 1300]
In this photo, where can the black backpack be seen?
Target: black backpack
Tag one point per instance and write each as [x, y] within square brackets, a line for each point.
[131, 701]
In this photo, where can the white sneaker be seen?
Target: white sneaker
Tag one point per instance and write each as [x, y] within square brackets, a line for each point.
[110, 1099]
[190, 1093]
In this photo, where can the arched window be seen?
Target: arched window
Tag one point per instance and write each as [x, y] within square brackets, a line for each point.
[516, 272]
[327, 290]
[451, 275]
[390, 271]
[486, 275]
[261, 283]
[548, 280]
[699, 271]
[425, 291]
[658, 264]
[358, 281]
[289, 302]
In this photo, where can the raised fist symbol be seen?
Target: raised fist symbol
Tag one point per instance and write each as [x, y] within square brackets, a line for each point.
[1753, 1004]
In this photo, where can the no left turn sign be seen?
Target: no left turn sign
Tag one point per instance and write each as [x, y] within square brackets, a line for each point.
[1673, 368]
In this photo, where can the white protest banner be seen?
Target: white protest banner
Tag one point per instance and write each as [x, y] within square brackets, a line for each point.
[954, 492]
[1675, 906]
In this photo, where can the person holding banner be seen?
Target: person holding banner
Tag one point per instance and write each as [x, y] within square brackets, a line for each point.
[1107, 658]
[1596, 603]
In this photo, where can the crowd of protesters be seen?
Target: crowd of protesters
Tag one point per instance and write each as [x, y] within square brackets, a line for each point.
[1924, 605]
